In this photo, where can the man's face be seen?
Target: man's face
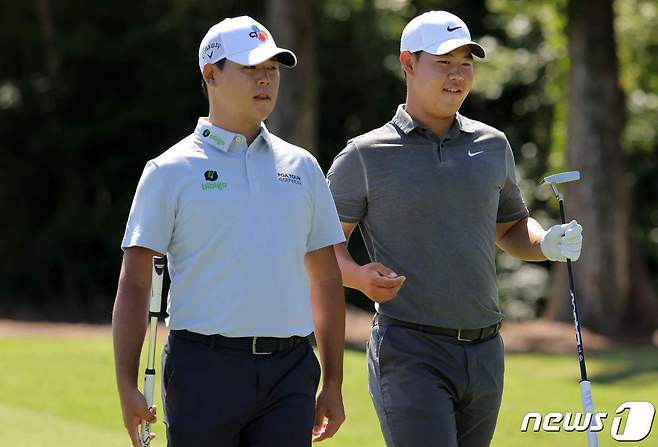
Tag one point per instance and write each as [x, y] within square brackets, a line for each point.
[441, 83]
[248, 91]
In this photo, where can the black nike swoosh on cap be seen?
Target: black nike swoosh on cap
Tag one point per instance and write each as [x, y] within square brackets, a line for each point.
[452, 29]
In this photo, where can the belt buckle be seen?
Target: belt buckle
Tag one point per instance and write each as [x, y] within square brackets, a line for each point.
[459, 336]
[255, 351]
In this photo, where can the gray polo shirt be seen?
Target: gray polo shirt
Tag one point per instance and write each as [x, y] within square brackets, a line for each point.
[427, 207]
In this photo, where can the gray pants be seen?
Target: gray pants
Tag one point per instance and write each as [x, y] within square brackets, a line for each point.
[434, 391]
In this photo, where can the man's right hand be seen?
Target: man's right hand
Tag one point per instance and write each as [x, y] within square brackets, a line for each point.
[378, 282]
[133, 407]
[129, 321]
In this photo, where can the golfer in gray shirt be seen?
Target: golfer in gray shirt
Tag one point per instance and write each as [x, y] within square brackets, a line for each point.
[433, 193]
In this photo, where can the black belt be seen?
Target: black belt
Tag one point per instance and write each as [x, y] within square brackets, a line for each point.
[458, 334]
[255, 345]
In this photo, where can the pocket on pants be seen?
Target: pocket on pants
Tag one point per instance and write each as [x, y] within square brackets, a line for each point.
[373, 352]
[376, 339]
[167, 368]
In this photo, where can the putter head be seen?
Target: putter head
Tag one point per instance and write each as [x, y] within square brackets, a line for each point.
[563, 177]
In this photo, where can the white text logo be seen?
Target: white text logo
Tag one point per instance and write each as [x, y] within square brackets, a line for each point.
[639, 419]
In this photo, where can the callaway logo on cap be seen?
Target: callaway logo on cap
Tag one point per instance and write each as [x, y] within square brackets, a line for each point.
[241, 40]
[437, 32]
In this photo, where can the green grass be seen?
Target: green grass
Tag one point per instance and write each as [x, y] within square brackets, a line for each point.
[61, 392]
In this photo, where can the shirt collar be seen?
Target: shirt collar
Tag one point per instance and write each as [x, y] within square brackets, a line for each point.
[215, 136]
[465, 124]
[406, 123]
[265, 135]
[223, 139]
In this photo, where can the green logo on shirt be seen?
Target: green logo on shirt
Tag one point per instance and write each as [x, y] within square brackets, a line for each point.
[216, 138]
[211, 176]
[218, 186]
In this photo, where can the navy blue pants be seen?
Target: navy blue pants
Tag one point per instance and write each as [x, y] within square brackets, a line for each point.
[219, 397]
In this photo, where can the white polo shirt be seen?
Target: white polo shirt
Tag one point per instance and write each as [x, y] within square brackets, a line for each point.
[235, 223]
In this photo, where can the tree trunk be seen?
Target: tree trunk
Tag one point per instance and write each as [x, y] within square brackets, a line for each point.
[51, 57]
[53, 60]
[294, 118]
[69, 192]
[614, 293]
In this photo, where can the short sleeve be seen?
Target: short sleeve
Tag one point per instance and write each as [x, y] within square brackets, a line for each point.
[347, 182]
[151, 219]
[511, 205]
[325, 225]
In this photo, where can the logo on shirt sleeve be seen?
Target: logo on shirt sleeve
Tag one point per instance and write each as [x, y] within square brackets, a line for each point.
[211, 183]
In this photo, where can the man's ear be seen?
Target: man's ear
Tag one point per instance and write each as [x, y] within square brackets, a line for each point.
[408, 63]
[209, 74]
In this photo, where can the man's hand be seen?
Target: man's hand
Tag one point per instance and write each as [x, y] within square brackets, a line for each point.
[378, 282]
[562, 242]
[329, 413]
[129, 321]
[133, 407]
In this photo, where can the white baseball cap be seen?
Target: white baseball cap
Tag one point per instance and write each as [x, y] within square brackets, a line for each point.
[437, 32]
[241, 40]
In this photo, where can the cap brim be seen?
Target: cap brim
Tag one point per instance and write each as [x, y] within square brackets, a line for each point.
[450, 45]
[260, 54]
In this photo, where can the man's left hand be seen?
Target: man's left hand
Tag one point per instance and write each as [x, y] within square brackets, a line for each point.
[329, 413]
[562, 242]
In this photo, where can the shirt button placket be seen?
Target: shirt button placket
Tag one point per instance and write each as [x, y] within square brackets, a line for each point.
[252, 171]
[436, 155]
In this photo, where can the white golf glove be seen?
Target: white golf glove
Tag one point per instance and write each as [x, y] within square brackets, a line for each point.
[562, 242]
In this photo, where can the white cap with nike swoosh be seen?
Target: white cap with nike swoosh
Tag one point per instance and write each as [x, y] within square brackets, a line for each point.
[437, 32]
[243, 41]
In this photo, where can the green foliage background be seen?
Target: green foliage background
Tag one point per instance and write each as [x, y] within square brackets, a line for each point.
[74, 137]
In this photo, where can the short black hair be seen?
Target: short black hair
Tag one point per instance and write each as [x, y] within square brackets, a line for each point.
[220, 64]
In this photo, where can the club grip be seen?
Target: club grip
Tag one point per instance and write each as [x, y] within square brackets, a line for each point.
[156, 284]
[588, 406]
[149, 387]
[145, 439]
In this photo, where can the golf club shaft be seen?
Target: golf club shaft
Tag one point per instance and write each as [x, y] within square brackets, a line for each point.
[154, 312]
[585, 385]
[149, 381]
[574, 308]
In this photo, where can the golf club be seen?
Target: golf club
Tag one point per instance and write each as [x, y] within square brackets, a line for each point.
[585, 385]
[154, 312]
